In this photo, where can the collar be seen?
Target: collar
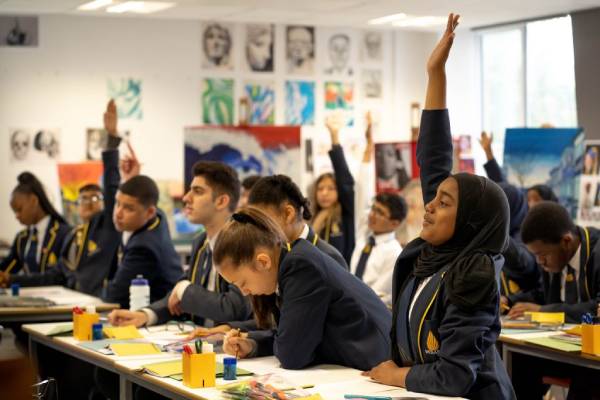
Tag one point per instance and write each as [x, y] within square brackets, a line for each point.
[212, 241]
[384, 237]
[305, 231]
[125, 237]
[576, 260]
[41, 227]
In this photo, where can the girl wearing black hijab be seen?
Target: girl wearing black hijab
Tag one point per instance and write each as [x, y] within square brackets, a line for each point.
[446, 319]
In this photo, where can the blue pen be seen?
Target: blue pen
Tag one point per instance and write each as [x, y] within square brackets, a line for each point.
[365, 397]
[587, 318]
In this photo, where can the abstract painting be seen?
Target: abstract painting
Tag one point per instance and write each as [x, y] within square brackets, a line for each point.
[127, 93]
[217, 101]
[339, 96]
[299, 103]
[73, 176]
[261, 98]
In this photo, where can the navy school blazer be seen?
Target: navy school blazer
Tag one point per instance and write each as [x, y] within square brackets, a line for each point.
[90, 251]
[227, 303]
[315, 299]
[52, 244]
[451, 351]
[148, 252]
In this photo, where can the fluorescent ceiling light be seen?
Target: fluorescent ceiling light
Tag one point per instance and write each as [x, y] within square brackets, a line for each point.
[387, 18]
[94, 5]
[420, 22]
[140, 7]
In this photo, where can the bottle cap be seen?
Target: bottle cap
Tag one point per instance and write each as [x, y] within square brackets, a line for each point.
[229, 361]
[139, 281]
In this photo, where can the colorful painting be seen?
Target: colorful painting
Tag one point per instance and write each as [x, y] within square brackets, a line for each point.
[299, 103]
[217, 101]
[71, 177]
[261, 98]
[393, 166]
[127, 93]
[589, 191]
[544, 156]
[339, 96]
[250, 150]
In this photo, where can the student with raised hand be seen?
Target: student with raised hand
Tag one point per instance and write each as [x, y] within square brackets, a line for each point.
[37, 248]
[333, 214]
[313, 302]
[570, 258]
[446, 321]
[202, 294]
[85, 262]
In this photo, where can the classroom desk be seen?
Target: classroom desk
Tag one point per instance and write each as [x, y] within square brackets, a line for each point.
[64, 298]
[332, 382]
[516, 343]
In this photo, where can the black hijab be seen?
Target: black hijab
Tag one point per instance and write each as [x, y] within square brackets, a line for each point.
[517, 203]
[545, 192]
[481, 230]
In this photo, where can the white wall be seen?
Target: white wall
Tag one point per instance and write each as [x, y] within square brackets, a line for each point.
[62, 84]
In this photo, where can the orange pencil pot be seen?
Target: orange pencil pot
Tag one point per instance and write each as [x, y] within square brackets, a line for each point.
[590, 339]
[82, 323]
[199, 370]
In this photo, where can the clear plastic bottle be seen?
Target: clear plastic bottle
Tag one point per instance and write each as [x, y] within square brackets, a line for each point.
[139, 293]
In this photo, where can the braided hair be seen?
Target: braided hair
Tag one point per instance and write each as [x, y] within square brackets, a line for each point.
[29, 184]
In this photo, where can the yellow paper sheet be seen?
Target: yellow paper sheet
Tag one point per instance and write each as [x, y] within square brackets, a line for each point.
[547, 317]
[555, 344]
[122, 332]
[576, 330]
[164, 369]
[134, 349]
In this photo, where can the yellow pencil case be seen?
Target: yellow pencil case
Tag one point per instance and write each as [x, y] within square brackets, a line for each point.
[590, 339]
[82, 325]
[199, 370]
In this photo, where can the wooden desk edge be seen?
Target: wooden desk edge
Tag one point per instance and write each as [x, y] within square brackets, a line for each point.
[52, 310]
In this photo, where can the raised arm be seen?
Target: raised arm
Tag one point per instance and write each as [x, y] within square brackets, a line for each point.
[110, 160]
[492, 169]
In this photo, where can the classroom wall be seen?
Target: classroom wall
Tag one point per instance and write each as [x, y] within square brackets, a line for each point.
[63, 84]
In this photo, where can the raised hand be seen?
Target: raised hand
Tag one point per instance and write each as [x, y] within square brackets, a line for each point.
[334, 124]
[439, 55]
[486, 144]
[129, 165]
[110, 118]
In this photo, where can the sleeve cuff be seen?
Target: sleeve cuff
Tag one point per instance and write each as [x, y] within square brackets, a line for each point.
[152, 317]
[180, 288]
[113, 142]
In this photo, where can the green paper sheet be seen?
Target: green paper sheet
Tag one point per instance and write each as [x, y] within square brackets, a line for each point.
[555, 344]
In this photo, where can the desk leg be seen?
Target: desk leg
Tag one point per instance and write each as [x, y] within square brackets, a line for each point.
[507, 358]
[125, 388]
[33, 356]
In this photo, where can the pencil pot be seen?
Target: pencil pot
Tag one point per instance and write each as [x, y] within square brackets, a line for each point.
[199, 370]
[82, 325]
[590, 339]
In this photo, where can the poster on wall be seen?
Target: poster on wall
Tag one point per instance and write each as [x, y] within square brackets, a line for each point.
[544, 156]
[300, 49]
[34, 145]
[589, 188]
[372, 83]
[127, 93]
[339, 97]
[338, 54]
[71, 177]
[217, 45]
[18, 31]
[261, 98]
[217, 101]
[250, 150]
[259, 47]
[371, 46]
[96, 142]
[299, 103]
[393, 166]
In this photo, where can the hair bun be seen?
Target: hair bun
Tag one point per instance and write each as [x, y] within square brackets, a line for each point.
[26, 178]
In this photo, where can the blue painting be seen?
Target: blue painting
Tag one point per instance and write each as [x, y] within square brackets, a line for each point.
[127, 94]
[544, 156]
[261, 97]
[299, 103]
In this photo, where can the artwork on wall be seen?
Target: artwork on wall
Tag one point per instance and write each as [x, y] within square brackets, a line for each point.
[338, 54]
[127, 93]
[71, 177]
[339, 97]
[589, 189]
[259, 47]
[544, 156]
[250, 150]
[300, 49]
[299, 103]
[371, 46]
[96, 141]
[18, 31]
[372, 83]
[34, 145]
[217, 45]
[393, 166]
[217, 101]
[261, 98]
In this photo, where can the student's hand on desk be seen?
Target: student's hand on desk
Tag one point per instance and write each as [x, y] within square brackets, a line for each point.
[519, 309]
[174, 303]
[126, 317]
[203, 332]
[388, 373]
[439, 56]
[4, 279]
[237, 344]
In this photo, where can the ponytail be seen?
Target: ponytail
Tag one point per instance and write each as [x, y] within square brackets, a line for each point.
[29, 184]
[277, 189]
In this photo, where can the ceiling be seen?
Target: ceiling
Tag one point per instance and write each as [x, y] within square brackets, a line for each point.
[357, 13]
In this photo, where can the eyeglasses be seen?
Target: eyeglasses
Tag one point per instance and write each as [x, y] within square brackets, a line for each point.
[89, 199]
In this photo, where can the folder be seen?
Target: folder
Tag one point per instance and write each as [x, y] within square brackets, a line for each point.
[546, 317]
[122, 332]
[134, 349]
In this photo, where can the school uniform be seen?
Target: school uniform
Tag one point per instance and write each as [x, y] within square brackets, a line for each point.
[341, 234]
[90, 250]
[446, 332]
[205, 296]
[149, 252]
[37, 248]
[324, 315]
[576, 291]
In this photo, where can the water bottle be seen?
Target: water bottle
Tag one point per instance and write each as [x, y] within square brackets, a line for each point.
[139, 293]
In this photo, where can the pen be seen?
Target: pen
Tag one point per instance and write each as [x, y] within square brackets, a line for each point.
[365, 397]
